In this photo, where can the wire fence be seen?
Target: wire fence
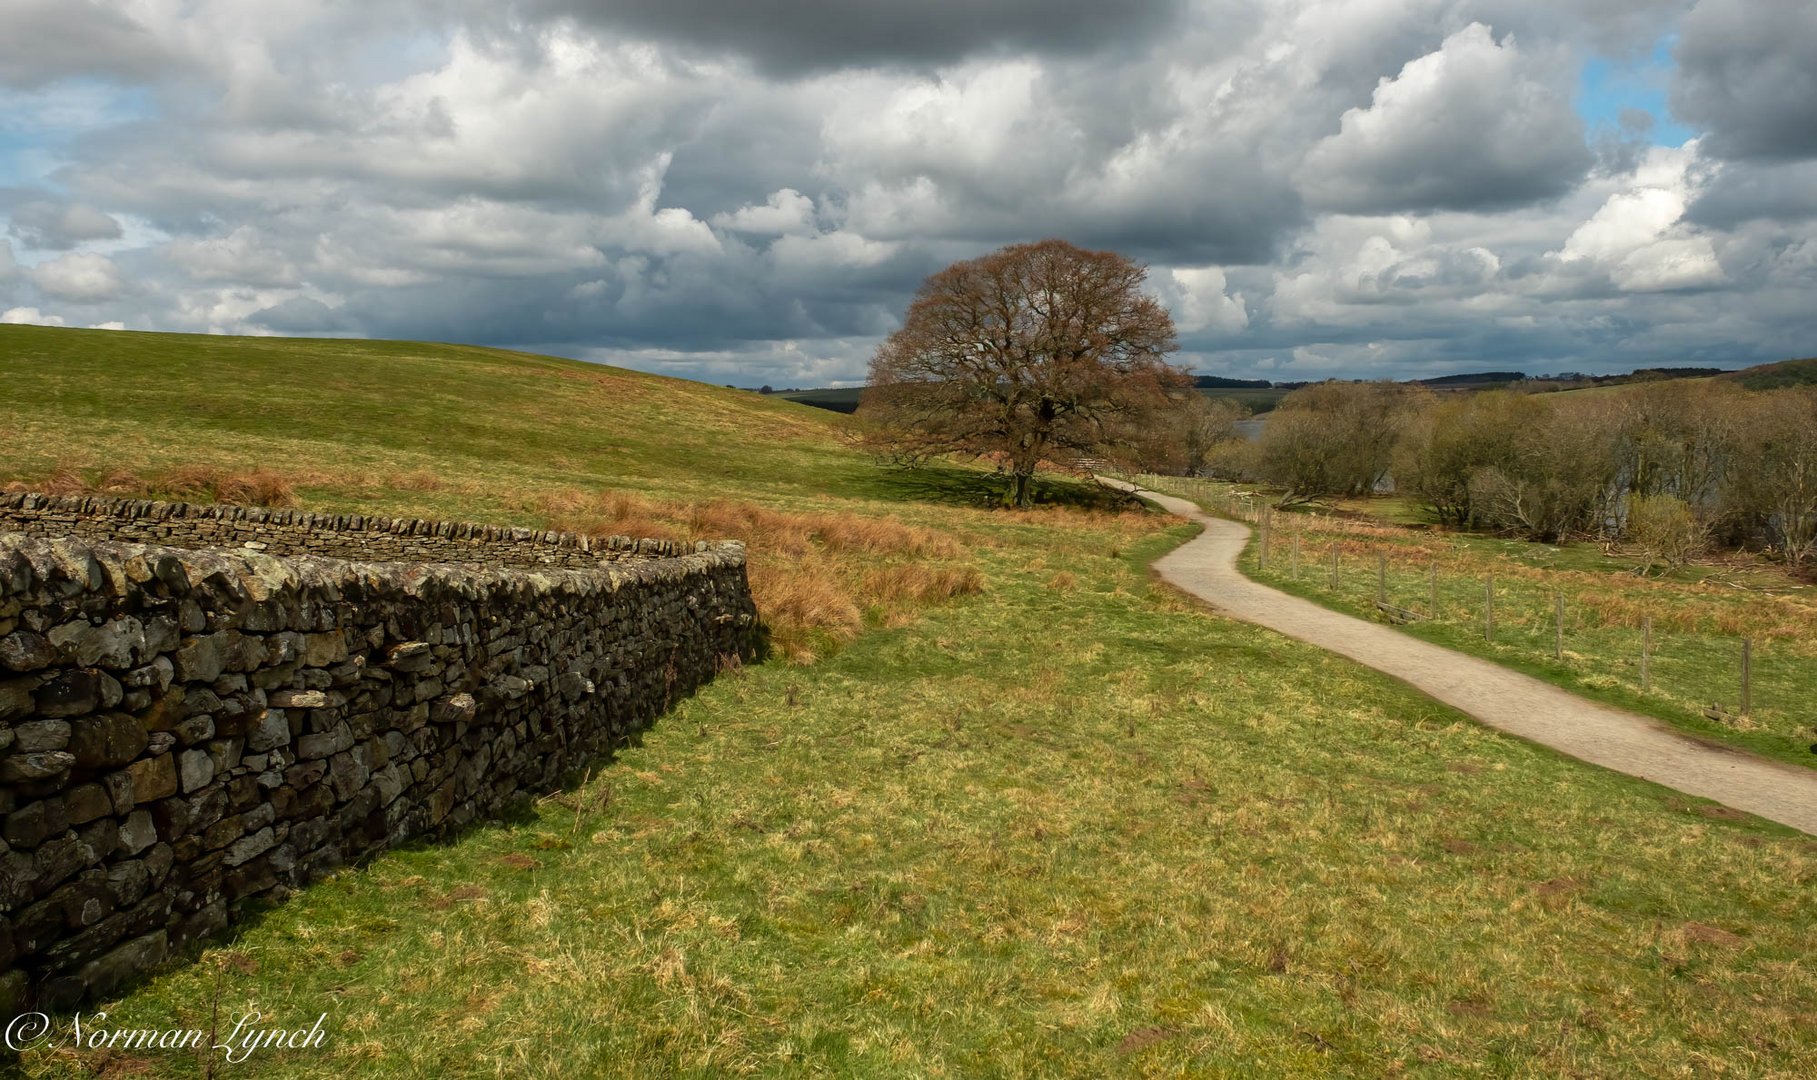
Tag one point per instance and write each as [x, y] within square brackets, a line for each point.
[1737, 664]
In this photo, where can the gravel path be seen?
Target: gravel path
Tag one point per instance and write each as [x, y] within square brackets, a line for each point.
[1515, 703]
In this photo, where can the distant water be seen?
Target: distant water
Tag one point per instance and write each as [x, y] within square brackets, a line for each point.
[1251, 428]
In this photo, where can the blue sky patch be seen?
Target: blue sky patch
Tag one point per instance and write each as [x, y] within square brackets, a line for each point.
[37, 126]
[1610, 88]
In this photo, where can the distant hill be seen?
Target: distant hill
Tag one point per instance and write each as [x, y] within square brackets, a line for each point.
[1261, 395]
[1258, 394]
[1475, 378]
[839, 400]
[1219, 382]
[1774, 376]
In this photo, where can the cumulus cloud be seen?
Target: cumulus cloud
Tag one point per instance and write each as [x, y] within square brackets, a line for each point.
[29, 316]
[1201, 301]
[81, 278]
[47, 40]
[1747, 72]
[1638, 236]
[299, 315]
[1473, 124]
[702, 187]
[49, 225]
[243, 255]
[786, 213]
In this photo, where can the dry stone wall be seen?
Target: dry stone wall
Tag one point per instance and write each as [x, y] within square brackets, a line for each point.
[298, 532]
[185, 730]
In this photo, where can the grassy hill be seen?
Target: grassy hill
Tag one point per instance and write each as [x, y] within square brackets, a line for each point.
[1774, 376]
[485, 420]
[1058, 823]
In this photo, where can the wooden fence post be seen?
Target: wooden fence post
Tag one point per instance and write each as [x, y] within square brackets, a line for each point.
[1747, 676]
[1296, 552]
[1489, 608]
[1646, 654]
[1558, 624]
[1262, 543]
[1381, 577]
[1334, 565]
[1432, 588]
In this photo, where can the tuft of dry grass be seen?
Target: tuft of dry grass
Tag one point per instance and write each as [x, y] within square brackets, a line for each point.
[203, 483]
[186, 483]
[921, 583]
[206, 483]
[818, 578]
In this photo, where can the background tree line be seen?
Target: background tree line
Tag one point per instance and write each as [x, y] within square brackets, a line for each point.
[1047, 354]
[1670, 467]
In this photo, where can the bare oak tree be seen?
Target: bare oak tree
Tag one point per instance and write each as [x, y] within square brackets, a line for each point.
[1035, 352]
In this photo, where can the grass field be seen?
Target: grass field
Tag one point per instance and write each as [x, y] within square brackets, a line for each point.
[1063, 824]
[1700, 615]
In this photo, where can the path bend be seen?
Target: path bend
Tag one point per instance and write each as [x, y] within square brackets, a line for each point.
[1206, 567]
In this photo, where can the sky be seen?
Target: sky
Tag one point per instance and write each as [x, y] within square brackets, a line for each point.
[749, 191]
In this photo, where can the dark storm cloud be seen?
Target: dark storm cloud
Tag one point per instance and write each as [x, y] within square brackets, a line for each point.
[797, 36]
[1748, 74]
[1475, 124]
[1751, 191]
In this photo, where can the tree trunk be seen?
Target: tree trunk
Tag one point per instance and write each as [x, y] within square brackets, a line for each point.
[1025, 488]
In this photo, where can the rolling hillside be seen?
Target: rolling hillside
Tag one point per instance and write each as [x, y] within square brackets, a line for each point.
[1774, 376]
[484, 420]
[1033, 816]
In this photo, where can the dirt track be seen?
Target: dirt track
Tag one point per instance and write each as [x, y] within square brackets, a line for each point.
[1515, 703]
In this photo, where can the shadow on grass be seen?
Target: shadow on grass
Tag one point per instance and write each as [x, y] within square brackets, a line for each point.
[957, 485]
[517, 810]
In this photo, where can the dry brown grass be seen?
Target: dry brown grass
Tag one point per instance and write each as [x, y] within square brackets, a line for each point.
[202, 483]
[818, 578]
[188, 483]
[206, 483]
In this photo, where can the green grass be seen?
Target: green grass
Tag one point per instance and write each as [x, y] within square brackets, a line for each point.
[1070, 826]
[1700, 614]
[1066, 832]
[488, 422]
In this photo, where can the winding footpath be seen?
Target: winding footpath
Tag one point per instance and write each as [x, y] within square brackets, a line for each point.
[1206, 567]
